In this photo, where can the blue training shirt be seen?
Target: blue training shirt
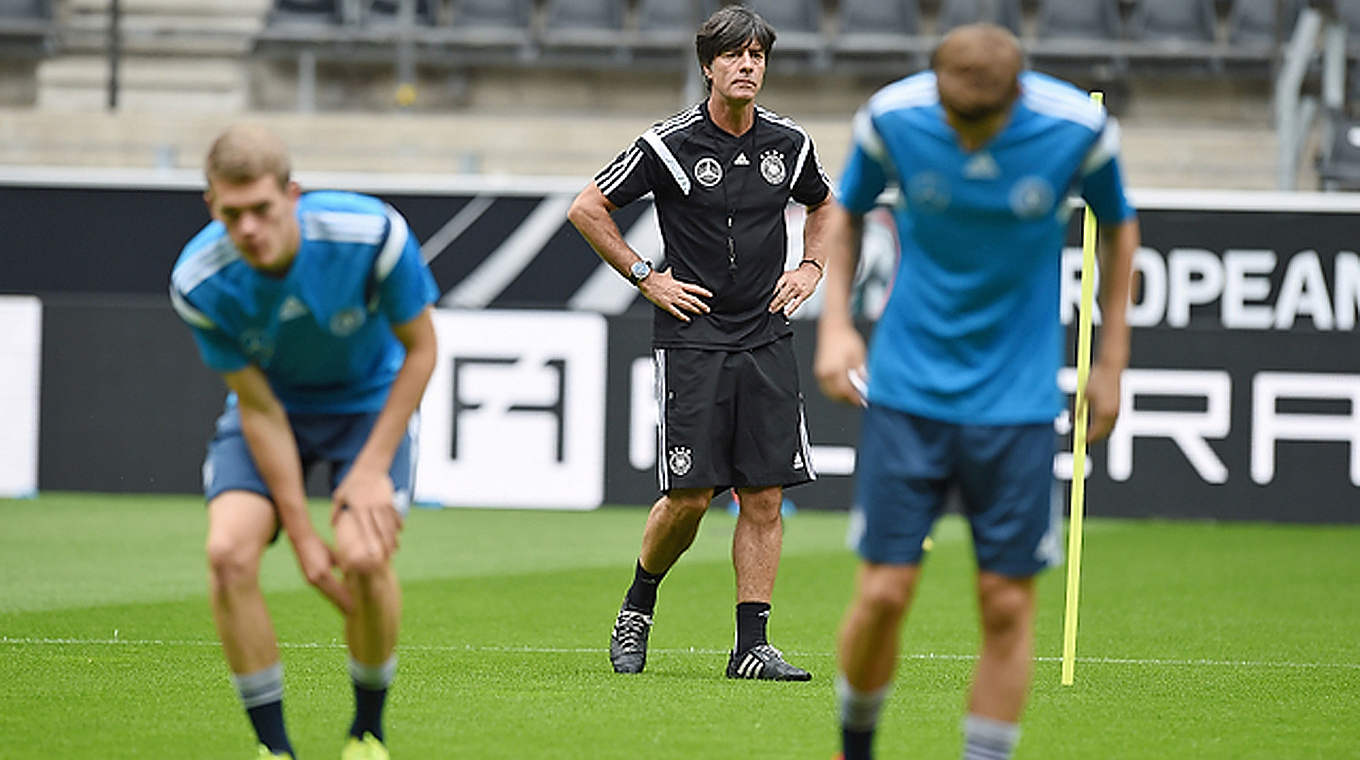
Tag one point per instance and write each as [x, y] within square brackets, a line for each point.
[971, 332]
[321, 333]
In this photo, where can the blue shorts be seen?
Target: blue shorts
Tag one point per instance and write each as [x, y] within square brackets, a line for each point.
[330, 439]
[908, 465]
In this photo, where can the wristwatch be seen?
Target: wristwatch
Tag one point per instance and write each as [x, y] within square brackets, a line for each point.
[639, 271]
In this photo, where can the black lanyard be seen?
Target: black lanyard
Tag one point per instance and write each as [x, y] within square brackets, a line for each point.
[732, 210]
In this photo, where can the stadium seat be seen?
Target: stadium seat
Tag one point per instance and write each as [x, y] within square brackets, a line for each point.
[1090, 20]
[314, 8]
[670, 23]
[1348, 12]
[584, 24]
[387, 11]
[25, 9]
[25, 28]
[877, 26]
[879, 17]
[958, 12]
[585, 14]
[487, 25]
[1339, 162]
[1254, 23]
[492, 14]
[798, 23]
[1173, 20]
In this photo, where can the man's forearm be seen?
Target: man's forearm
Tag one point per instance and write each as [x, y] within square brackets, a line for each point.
[402, 402]
[1116, 275]
[590, 215]
[843, 234]
[815, 230]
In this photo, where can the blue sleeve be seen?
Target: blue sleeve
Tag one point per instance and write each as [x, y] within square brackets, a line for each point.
[1103, 190]
[864, 176]
[406, 286]
[218, 351]
[861, 182]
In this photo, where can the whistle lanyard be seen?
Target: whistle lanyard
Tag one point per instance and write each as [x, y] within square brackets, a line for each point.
[727, 202]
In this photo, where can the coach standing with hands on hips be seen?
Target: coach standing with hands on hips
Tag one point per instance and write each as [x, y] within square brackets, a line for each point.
[730, 411]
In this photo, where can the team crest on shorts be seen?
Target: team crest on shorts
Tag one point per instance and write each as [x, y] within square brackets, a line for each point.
[772, 167]
[708, 171]
[680, 460]
[347, 321]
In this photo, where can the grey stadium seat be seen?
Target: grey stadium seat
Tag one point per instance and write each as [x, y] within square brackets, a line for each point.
[606, 15]
[879, 17]
[584, 25]
[25, 9]
[1253, 22]
[492, 14]
[1079, 19]
[879, 33]
[670, 16]
[670, 23]
[797, 23]
[959, 12]
[1339, 163]
[1185, 20]
[788, 15]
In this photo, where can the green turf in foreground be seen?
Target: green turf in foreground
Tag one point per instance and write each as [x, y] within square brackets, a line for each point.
[1197, 640]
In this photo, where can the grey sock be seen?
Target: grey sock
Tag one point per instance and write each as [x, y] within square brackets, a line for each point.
[859, 710]
[261, 687]
[988, 738]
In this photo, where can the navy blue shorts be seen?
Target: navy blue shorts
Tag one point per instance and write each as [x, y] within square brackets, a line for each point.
[908, 465]
[332, 440]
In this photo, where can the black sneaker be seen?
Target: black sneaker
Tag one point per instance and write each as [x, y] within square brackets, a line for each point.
[628, 642]
[765, 663]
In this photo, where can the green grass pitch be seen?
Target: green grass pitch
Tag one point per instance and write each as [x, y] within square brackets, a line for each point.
[1197, 640]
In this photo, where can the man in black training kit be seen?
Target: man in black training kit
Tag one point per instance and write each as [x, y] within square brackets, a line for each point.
[730, 412]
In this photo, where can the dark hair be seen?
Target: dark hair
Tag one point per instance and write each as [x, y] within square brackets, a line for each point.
[730, 28]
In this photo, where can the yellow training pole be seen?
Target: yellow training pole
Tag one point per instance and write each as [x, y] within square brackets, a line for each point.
[1078, 503]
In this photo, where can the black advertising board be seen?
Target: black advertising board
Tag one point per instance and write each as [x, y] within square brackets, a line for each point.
[1242, 400]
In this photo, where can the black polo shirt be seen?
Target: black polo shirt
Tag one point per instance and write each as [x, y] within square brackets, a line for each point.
[720, 200]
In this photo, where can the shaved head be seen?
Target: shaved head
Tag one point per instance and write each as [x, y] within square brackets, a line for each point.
[977, 69]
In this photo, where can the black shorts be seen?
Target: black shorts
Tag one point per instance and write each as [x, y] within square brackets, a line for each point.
[730, 418]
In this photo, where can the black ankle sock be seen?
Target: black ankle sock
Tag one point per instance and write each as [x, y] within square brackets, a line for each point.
[642, 594]
[268, 722]
[857, 745]
[751, 620]
[368, 707]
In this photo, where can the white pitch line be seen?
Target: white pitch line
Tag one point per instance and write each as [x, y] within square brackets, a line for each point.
[1152, 661]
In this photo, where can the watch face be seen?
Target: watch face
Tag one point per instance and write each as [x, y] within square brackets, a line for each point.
[640, 269]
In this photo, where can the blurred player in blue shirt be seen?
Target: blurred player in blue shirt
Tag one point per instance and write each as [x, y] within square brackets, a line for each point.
[315, 309]
[962, 374]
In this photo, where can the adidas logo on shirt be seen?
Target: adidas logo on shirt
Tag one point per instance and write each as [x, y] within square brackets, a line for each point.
[981, 166]
[741, 160]
[291, 308]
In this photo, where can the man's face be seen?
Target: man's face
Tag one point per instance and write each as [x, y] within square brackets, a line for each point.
[260, 218]
[738, 74]
[976, 84]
